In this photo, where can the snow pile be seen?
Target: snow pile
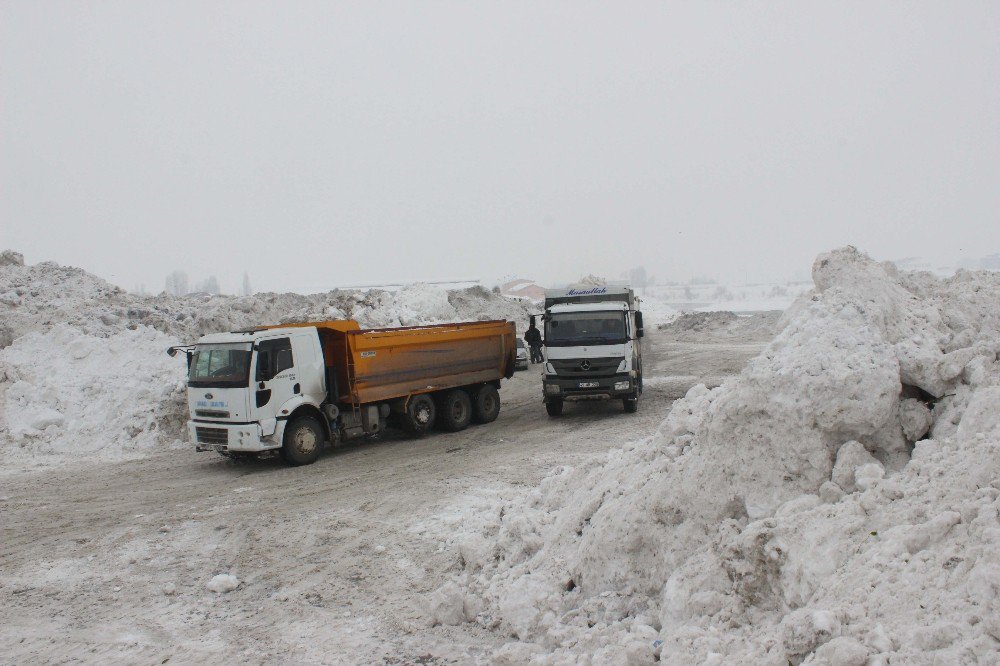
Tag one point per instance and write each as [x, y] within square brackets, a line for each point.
[696, 326]
[83, 369]
[781, 516]
[11, 258]
[590, 280]
[37, 297]
[66, 392]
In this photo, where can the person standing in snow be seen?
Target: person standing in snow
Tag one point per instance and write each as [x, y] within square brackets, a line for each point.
[534, 340]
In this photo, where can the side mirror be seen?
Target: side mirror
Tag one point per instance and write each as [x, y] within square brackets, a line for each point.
[639, 331]
[188, 351]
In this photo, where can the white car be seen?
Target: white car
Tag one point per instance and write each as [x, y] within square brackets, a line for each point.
[522, 356]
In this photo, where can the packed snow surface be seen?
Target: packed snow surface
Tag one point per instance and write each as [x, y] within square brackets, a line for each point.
[83, 369]
[836, 503]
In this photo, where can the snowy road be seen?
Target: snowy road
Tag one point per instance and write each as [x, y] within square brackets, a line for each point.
[334, 559]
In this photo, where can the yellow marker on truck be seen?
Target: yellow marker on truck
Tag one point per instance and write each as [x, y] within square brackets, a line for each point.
[292, 387]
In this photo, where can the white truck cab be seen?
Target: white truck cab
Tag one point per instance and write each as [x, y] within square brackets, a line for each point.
[592, 346]
[242, 386]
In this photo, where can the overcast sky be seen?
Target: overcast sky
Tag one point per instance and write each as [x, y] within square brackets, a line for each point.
[324, 144]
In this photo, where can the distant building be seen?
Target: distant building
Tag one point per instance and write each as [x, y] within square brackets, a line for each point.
[525, 289]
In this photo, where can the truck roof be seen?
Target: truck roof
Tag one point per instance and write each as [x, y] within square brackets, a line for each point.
[340, 325]
[600, 306]
[251, 334]
[589, 294]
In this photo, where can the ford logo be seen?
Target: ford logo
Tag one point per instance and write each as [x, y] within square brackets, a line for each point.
[209, 396]
[585, 365]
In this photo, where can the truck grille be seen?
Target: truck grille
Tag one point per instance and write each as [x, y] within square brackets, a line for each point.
[211, 413]
[212, 435]
[586, 367]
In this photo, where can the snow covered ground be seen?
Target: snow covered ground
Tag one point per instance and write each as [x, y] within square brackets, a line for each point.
[337, 562]
[821, 488]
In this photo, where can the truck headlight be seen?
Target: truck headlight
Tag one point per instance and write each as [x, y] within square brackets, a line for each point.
[622, 386]
[552, 389]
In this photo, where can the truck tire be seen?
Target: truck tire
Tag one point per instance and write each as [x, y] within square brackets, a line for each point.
[454, 411]
[486, 404]
[631, 404]
[420, 415]
[554, 407]
[303, 441]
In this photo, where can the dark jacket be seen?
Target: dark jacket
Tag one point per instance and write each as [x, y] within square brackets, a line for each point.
[532, 336]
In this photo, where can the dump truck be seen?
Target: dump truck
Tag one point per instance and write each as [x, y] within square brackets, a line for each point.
[291, 388]
[592, 346]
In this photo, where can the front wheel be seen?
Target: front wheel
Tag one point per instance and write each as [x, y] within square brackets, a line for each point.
[554, 407]
[631, 404]
[303, 441]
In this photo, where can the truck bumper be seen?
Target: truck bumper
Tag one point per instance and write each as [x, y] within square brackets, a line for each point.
[615, 386]
[234, 437]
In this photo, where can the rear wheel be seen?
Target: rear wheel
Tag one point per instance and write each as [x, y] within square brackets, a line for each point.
[454, 411]
[303, 441]
[554, 407]
[486, 404]
[420, 415]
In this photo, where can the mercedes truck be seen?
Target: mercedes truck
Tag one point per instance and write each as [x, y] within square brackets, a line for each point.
[592, 346]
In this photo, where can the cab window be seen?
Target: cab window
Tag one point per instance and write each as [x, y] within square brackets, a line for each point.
[273, 358]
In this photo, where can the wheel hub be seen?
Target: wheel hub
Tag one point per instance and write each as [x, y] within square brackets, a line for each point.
[305, 440]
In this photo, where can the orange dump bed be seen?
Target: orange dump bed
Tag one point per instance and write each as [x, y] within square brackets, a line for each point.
[386, 363]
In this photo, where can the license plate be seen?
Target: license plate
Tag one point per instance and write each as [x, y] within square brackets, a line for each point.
[589, 384]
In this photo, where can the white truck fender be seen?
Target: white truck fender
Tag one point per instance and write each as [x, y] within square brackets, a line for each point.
[294, 403]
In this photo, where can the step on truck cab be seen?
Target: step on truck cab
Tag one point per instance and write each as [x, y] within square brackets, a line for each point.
[294, 387]
[591, 346]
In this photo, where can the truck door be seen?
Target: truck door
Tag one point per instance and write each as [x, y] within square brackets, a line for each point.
[275, 379]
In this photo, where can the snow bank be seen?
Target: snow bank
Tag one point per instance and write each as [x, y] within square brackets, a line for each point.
[781, 516]
[65, 392]
[40, 296]
[83, 369]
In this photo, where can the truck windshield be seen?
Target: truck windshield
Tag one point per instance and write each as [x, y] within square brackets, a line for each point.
[568, 329]
[220, 366]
